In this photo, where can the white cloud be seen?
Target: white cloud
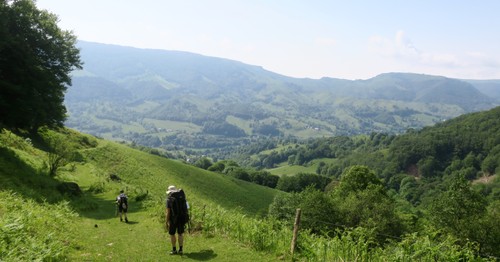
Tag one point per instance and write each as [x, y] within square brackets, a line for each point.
[400, 46]
[401, 51]
[404, 46]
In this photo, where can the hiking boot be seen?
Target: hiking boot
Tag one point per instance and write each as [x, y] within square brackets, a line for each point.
[126, 220]
[173, 252]
[121, 220]
[180, 252]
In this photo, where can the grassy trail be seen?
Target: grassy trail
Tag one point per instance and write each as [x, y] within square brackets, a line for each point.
[105, 238]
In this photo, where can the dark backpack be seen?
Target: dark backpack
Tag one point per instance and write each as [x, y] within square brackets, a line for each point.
[178, 208]
[123, 202]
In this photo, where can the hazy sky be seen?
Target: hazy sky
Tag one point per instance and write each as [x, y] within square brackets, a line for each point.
[348, 39]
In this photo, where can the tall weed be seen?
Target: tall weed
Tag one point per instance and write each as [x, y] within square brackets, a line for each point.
[31, 231]
[357, 244]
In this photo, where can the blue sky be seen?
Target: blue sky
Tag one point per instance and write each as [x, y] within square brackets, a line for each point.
[309, 38]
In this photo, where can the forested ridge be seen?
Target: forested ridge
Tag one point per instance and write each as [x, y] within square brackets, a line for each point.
[468, 145]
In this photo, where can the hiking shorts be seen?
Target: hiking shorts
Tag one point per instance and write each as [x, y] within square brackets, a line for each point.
[121, 209]
[176, 228]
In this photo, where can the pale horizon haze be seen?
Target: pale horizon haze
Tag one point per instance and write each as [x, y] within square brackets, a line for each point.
[313, 39]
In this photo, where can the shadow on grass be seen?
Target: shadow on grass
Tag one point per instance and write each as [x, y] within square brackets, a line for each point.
[94, 207]
[30, 183]
[23, 179]
[203, 255]
[91, 206]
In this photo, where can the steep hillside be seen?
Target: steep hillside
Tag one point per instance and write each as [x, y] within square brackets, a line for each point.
[137, 170]
[72, 215]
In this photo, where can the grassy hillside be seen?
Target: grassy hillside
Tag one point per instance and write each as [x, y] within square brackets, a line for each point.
[41, 220]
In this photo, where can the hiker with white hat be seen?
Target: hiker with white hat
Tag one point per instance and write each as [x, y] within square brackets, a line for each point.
[176, 217]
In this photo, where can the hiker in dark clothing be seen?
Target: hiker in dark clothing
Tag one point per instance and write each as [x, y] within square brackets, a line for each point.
[122, 203]
[176, 217]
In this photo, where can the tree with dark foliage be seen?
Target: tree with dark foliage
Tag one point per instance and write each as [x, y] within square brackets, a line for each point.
[36, 58]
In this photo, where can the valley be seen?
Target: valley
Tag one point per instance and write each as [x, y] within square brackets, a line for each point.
[191, 105]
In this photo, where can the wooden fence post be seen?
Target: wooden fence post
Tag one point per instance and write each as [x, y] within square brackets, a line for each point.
[203, 216]
[295, 231]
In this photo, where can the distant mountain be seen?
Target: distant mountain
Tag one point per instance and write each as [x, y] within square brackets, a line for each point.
[488, 87]
[177, 99]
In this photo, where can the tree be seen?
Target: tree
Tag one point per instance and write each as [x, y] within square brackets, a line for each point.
[490, 163]
[455, 208]
[240, 173]
[284, 205]
[264, 178]
[301, 181]
[319, 214]
[409, 189]
[59, 151]
[36, 58]
[357, 178]
[370, 208]
[363, 201]
[217, 167]
[271, 181]
[426, 166]
[489, 234]
[203, 163]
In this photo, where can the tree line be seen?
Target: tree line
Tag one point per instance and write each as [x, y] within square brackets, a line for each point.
[361, 201]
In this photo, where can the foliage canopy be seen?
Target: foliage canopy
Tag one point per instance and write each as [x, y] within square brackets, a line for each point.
[36, 58]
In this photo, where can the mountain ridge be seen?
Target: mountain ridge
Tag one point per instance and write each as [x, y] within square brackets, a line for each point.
[126, 93]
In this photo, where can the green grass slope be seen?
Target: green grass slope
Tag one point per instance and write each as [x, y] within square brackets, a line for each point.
[38, 222]
[145, 172]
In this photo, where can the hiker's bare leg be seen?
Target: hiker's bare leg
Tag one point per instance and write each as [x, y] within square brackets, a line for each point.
[172, 240]
[181, 240]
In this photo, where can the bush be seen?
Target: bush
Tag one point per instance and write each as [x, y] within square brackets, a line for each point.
[84, 204]
[97, 188]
